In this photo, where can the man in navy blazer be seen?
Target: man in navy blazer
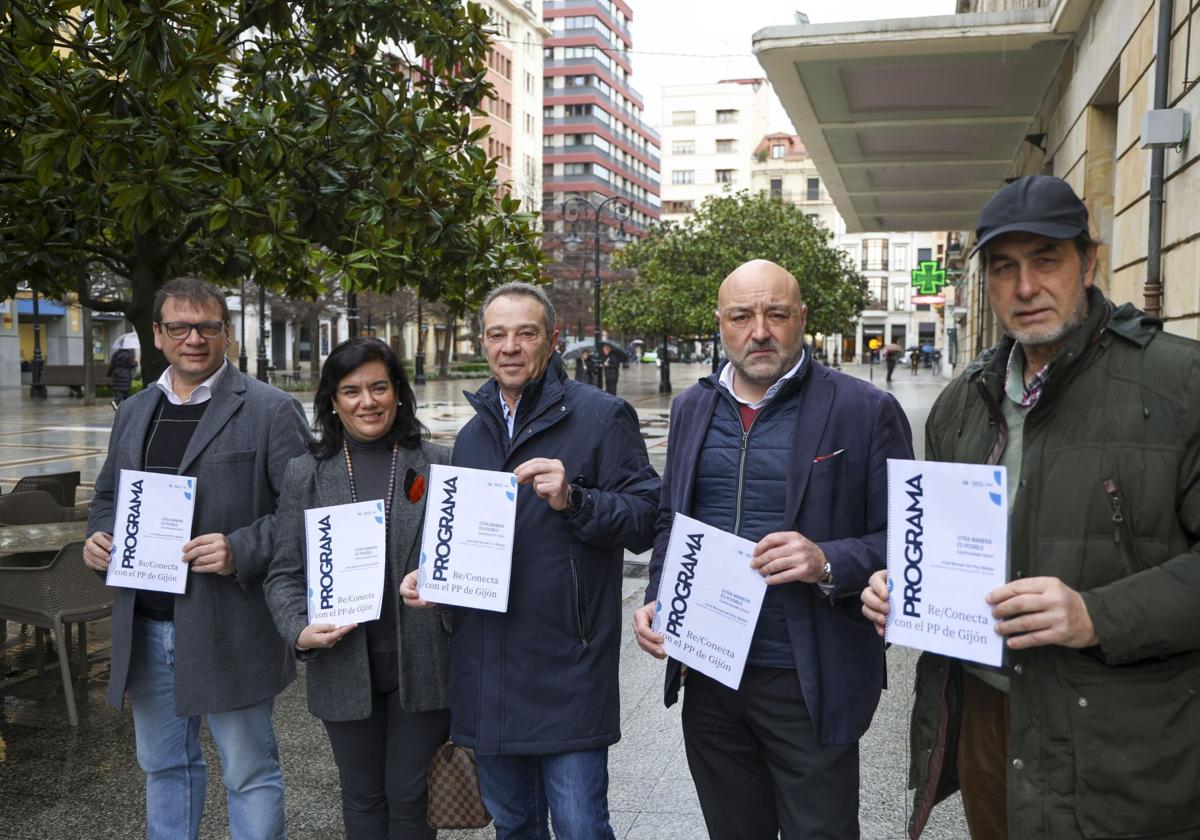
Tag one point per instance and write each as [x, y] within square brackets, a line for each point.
[780, 450]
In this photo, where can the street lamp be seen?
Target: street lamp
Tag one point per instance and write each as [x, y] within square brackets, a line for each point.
[243, 363]
[36, 388]
[261, 373]
[419, 359]
[573, 212]
[352, 313]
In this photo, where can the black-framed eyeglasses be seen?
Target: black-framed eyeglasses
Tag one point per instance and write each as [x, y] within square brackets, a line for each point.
[180, 330]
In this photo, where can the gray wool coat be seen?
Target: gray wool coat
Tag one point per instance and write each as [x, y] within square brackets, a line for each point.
[339, 678]
[228, 654]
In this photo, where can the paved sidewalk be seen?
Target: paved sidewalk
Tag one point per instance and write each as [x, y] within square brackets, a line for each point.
[58, 783]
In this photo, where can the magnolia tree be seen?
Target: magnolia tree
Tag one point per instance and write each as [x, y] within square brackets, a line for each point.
[307, 146]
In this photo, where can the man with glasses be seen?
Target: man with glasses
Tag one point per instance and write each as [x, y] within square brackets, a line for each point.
[534, 690]
[213, 650]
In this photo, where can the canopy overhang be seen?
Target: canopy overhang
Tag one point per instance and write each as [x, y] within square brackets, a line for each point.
[913, 123]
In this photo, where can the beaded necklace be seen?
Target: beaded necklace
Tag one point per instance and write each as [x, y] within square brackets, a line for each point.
[387, 502]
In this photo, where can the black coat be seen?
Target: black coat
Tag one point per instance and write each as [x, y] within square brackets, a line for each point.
[120, 369]
[542, 678]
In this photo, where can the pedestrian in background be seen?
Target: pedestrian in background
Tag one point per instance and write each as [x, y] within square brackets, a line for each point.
[611, 364]
[889, 360]
[534, 690]
[778, 449]
[583, 367]
[381, 689]
[120, 375]
[1091, 729]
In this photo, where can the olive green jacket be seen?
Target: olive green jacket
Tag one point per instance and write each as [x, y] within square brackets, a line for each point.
[1104, 742]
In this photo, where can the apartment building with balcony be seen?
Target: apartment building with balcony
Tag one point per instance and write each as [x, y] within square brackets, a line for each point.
[710, 132]
[596, 144]
[595, 141]
[514, 113]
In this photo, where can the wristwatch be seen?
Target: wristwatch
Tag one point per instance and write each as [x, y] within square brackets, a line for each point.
[828, 576]
[574, 499]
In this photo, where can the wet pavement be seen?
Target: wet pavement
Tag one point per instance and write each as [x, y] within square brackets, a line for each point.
[64, 783]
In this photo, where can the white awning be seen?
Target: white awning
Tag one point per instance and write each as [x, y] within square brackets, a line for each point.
[913, 123]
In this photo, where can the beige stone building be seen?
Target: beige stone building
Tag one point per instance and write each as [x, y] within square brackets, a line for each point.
[914, 123]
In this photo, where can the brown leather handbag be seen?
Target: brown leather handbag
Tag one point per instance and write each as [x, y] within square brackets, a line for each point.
[454, 800]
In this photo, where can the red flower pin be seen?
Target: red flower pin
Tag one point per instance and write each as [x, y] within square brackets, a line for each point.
[414, 486]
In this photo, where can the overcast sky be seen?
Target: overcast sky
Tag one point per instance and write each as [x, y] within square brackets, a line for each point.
[678, 42]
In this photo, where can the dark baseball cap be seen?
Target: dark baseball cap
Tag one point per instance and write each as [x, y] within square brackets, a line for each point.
[1038, 204]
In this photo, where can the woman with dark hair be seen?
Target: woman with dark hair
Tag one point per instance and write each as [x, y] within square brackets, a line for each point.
[380, 688]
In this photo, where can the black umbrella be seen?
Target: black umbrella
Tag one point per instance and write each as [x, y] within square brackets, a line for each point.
[575, 348]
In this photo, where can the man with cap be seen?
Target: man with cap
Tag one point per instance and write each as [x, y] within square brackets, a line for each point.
[1091, 729]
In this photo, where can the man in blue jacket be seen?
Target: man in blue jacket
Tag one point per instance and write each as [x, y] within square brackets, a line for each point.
[534, 690]
[778, 449]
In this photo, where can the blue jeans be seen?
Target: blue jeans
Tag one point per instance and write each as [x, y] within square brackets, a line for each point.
[519, 789]
[168, 750]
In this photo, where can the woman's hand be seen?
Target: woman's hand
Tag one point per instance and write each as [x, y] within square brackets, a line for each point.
[317, 636]
[408, 592]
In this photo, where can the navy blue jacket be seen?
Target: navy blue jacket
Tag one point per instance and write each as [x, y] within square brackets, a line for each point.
[846, 429]
[542, 677]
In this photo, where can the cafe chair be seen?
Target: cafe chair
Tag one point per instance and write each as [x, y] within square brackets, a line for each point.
[54, 596]
[32, 507]
[59, 485]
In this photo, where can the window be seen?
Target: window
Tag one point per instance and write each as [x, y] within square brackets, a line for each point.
[726, 147]
[813, 192]
[924, 254]
[875, 255]
[548, 112]
[899, 298]
[529, 82]
[576, 168]
[683, 176]
[683, 147]
[724, 176]
[547, 53]
[899, 260]
[678, 206]
[726, 116]
[876, 292]
[777, 189]
[547, 170]
[577, 110]
[778, 150]
[683, 118]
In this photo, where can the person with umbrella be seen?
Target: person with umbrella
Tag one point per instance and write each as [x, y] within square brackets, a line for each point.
[890, 353]
[583, 367]
[120, 375]
[610, 363]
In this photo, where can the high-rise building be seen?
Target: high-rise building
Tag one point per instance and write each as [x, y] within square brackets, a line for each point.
[515, 112]
[596, 144]
[710, 132]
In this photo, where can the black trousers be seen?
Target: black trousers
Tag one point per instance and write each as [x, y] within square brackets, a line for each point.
[758, 768]
[383, 762]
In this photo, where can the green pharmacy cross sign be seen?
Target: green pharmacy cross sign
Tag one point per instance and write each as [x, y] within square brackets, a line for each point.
[928, 279]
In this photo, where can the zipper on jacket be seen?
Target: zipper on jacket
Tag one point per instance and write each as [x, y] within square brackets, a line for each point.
[1122, 532]
[580, 602]
[741, 486]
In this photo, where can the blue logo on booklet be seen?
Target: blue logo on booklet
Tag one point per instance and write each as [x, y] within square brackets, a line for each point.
[379, 512]
[996, 498]
[511, 494]
[187, 494]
